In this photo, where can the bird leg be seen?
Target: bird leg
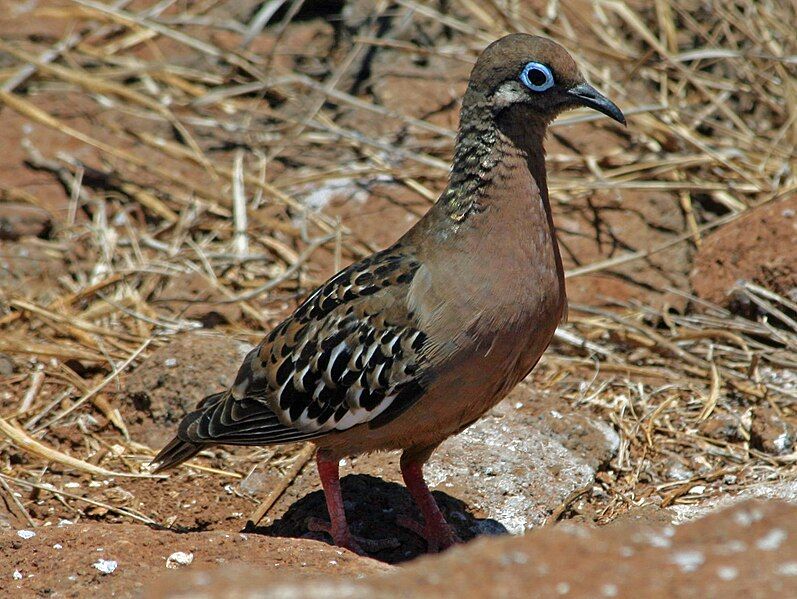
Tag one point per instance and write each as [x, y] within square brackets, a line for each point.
[436, 531]
[338, 527]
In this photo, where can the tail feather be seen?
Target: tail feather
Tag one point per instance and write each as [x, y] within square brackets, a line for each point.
[175, 453]
[179, 450]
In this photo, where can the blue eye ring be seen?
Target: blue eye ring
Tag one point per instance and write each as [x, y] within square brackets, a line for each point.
[534, 70]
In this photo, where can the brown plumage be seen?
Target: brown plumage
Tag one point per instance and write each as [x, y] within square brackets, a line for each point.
[416, 342]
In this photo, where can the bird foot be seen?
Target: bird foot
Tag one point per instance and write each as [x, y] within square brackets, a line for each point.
[353, 543]
[438, 538]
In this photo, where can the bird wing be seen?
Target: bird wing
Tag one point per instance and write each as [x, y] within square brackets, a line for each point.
[351, 354]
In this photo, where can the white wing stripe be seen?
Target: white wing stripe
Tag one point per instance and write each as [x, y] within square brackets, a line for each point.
[333, 356]
[298, 376]
[355, 417]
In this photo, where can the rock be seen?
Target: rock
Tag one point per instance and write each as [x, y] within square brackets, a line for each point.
[517, 468]
[748, 550]
[170, 383]
[779, 490]
[64, 561]
[770, 432]
[759, 246]
[23, 220]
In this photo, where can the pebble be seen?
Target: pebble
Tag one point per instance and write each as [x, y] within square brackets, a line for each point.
[106, 566]
[179, 558]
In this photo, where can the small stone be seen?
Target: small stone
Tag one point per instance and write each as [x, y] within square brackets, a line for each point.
[26, 534]
[106, 566]
[17, 575]
[179, 558]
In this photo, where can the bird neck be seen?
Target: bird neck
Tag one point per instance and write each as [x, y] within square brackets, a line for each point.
[486, 144]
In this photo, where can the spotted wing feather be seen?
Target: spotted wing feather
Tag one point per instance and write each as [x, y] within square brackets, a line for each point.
[350, 354]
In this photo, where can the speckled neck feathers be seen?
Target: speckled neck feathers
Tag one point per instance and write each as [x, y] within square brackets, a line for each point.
[484, 138]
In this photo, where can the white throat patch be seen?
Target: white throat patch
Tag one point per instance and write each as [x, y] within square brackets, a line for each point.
[509, 93]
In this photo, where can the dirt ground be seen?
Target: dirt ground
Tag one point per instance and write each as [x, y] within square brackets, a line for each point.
[652, 452]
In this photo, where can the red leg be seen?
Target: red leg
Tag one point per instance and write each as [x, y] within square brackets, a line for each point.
[437, 532]
[338, 527]
[328, 471]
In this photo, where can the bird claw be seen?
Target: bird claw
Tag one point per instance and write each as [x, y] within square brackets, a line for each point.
[437, 538]
[358, 545]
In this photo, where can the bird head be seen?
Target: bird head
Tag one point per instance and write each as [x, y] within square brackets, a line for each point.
[536, 76]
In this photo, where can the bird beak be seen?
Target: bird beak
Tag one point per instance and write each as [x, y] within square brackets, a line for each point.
[586, 95]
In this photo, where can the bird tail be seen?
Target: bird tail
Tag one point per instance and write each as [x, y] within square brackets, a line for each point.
[175, 453]
[179, 450]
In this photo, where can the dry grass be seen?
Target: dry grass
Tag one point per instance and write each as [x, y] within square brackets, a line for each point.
[711, 96]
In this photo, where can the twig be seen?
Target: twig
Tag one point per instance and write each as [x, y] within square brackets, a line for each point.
[36, 381]
[240, 241]
[17, 502]
[58, 492]
[30, 445]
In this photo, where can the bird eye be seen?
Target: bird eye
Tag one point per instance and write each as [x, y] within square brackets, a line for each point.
[537, 77]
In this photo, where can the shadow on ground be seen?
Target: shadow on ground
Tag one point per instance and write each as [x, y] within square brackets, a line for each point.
[372, 508]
